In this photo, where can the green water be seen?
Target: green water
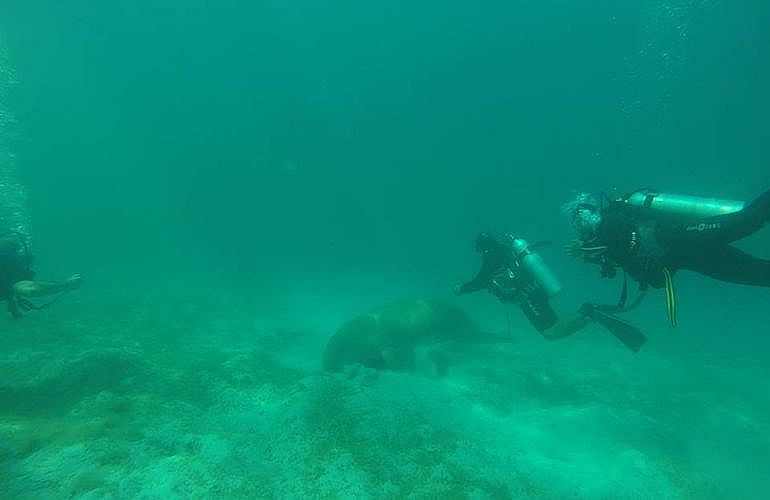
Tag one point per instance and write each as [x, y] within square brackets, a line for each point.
[237, 179]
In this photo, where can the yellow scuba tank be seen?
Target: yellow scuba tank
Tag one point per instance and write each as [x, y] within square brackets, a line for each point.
[535, 267]
[683, 205]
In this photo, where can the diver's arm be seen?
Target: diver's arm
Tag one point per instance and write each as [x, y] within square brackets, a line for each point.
[31, 289]
[538, 310]
[720, 229]
[476, 284]
[480, 282]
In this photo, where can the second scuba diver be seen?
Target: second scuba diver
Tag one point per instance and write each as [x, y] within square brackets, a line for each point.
[651, 235]
[513, 272]
[17, 284]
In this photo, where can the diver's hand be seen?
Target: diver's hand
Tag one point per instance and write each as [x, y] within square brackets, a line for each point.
[458, 289]
[74, 282]
[574, 248]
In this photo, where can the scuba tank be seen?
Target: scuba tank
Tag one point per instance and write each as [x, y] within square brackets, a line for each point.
[682, 205]
[535, 267]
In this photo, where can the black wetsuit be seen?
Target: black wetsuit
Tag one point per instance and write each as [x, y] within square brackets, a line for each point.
[14, 268]
[645, 244]
[499, 263]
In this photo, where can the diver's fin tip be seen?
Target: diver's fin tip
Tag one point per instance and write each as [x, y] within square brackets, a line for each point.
[628, 334]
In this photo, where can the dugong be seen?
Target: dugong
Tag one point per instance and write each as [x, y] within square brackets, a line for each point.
[386, 337]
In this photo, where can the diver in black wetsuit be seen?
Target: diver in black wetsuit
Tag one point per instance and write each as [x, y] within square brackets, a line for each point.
[650, 236]
[514, 273]
[499, 275]
[17, 283]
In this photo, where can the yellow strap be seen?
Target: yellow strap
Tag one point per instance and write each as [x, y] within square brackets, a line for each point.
[670, 296]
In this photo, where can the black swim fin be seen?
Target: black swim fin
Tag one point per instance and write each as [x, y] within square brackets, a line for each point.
[631, 336]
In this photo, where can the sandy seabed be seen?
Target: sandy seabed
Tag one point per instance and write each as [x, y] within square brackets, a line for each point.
[138, 397]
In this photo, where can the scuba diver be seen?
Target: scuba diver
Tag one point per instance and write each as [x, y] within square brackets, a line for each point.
[651, 235]
[17, 284]
[513, 272]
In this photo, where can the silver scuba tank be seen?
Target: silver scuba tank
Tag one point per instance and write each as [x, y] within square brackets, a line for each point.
[534, 265]
[683, 205]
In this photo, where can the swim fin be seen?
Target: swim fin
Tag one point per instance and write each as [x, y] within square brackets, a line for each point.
[631, 336]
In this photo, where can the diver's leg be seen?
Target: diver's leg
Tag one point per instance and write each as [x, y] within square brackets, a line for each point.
[629, 335]
[538, 310]
[746, 222]
[727, 263]
[566, 326]
[723, 229]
